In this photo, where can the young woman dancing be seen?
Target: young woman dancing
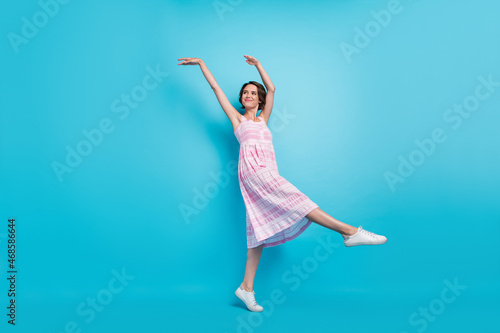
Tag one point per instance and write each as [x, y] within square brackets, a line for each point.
[276, 211]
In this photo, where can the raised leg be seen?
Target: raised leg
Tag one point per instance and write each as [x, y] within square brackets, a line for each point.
[322, 218]
[253, 258]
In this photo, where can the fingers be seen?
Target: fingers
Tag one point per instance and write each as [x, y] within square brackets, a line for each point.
[186, 61]
[251, 60]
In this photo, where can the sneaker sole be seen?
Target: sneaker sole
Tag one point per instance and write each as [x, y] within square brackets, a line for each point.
[350, 245]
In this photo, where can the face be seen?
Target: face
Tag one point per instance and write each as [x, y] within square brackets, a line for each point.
[250, 96]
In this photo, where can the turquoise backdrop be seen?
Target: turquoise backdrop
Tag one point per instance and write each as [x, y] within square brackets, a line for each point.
[119, 166]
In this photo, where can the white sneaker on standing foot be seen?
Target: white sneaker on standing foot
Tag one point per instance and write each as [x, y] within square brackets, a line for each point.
[364, 237]
[249, 299]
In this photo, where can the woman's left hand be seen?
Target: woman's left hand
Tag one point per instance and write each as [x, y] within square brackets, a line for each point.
[251, 60]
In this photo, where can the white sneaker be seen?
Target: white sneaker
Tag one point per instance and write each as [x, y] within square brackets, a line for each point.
[364, 237]
[249, 299]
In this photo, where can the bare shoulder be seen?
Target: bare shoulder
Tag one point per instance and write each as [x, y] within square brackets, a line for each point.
[264, 117]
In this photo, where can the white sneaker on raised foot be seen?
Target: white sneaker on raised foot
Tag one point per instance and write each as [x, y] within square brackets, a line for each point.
[249, 299]
[364, 237]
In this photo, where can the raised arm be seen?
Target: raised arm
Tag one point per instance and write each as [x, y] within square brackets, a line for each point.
[230, 111]
[268, 105]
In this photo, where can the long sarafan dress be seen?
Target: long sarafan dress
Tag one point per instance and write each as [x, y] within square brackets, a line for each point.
[275, 209]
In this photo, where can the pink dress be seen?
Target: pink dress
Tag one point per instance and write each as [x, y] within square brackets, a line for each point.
[275, 209]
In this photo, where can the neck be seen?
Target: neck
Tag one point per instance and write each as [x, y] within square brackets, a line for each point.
[253, 110]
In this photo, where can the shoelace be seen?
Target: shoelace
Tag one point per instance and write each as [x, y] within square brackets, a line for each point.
[366, 232]
[254, 302]
[252, 299]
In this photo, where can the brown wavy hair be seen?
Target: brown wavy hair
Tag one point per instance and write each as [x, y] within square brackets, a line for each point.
[261, 92]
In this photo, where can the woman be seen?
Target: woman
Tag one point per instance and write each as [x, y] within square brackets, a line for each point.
[276, 211]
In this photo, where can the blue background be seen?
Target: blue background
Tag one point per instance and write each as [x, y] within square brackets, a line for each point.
[339, 123]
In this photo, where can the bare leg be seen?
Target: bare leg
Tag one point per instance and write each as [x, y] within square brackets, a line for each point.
[320, 217]
[253, 258]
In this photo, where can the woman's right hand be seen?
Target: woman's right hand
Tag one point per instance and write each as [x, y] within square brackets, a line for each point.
[190, 61]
